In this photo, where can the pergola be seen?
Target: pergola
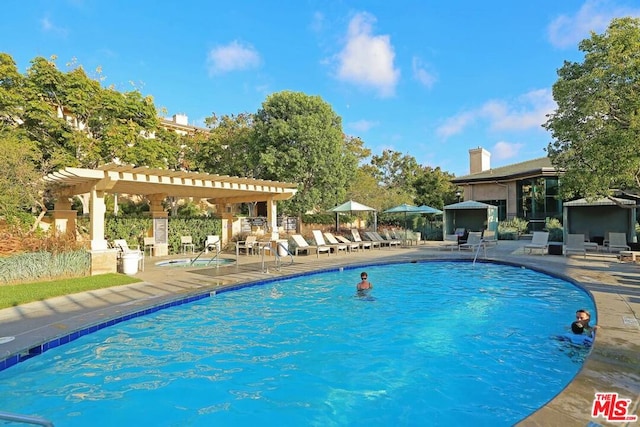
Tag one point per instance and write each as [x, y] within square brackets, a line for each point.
[156, 185]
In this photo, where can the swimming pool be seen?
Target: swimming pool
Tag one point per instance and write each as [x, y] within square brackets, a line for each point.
[442, 343]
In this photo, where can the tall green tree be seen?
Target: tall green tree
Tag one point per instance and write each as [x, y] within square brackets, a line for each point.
[596, 126]
[433, 187]
[225, 150]
[299, 138]
[20, 182]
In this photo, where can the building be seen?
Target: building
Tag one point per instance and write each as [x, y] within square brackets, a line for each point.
[527, 190]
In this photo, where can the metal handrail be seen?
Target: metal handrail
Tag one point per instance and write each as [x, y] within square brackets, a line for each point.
[276, 253]
[26, 419]
[211, 260]
[480, 245]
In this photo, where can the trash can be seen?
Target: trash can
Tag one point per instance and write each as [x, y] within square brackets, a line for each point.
[555, 248]
[130, 263]
[283, 247]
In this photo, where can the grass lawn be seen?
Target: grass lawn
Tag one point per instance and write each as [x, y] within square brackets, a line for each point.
[12, 295]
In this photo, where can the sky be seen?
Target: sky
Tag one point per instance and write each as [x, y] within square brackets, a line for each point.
[429, 79]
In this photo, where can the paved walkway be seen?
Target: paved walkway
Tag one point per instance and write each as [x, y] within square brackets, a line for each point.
[612, 366]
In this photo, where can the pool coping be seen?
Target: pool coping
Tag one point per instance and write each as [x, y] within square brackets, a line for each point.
[613, 364]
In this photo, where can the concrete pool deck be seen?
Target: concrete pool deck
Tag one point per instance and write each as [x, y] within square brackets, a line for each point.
[612, 366]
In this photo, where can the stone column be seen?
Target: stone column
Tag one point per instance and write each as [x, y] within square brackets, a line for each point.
[64, 218]
[160, 228]
[103, 259]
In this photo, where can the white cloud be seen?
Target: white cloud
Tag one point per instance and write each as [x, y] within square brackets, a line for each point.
[526, 112]
[503, 150]
[594, 15]
[367, 59]
[232, 57]
[421, 74]
[362, 125]
[49, 27]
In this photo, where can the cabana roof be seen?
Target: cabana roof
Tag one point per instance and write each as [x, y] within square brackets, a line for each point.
[133, 180]
[600, 202]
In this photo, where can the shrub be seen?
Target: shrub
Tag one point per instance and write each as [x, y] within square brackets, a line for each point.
[554, 227]
[29, 267]
[512, 228]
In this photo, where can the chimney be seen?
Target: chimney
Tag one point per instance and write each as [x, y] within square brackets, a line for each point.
[479, 160]
[180, 119]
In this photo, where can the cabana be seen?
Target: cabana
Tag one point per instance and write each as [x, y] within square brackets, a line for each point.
[470, 215]
[596, 218]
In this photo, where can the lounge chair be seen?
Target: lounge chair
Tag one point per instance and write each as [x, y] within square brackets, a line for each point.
[375, 237]
[618, 242]
[248, 246]
[394, 242]
[303, 246]
[575, 244]
[489, 237]
[352, 246]
[319, 238]
[450, 242]
[368, 244]
[474, 240]
[334, 242]
[540, 241]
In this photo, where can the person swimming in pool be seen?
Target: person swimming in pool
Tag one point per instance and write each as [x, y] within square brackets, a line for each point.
[364, 286]
[584, 317]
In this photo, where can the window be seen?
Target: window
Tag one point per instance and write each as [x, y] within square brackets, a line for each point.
[537, 200]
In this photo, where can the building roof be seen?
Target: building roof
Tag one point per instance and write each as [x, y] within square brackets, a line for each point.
[530, 168]
[146, 181]
[614, 201]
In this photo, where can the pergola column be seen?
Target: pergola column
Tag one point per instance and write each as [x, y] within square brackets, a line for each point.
[103, 259]
[272, 214]
[97, 210]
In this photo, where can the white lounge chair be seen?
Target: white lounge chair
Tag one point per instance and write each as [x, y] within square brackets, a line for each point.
[149, 243]
[302, 245]
[375, 237]
[618, 242]
[334, 242]
[319, 238]
[474, 240]
[575, 244]
[450, 242]
[489, 237]
[364, 244]
[539, 241]
[352, 246]
[394, 242]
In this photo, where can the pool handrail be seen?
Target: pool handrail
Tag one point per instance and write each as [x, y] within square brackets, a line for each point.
[276, 253]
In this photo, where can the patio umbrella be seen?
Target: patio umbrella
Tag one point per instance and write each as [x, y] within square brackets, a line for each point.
[352, 207]
[404, 208]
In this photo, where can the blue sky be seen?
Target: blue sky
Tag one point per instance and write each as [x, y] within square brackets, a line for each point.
[429, 79]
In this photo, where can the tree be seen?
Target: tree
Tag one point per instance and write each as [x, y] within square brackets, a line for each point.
[20, 181]
[433, 187]
[596, 126]
[396, 173]
[226, 149]
[299, 138]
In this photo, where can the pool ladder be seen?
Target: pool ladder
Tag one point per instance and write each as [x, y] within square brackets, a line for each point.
[480, 245]
[25, 419]
[217, 253]
[276, 253]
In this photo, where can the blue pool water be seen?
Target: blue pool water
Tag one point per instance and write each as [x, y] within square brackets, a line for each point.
[437, 344]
